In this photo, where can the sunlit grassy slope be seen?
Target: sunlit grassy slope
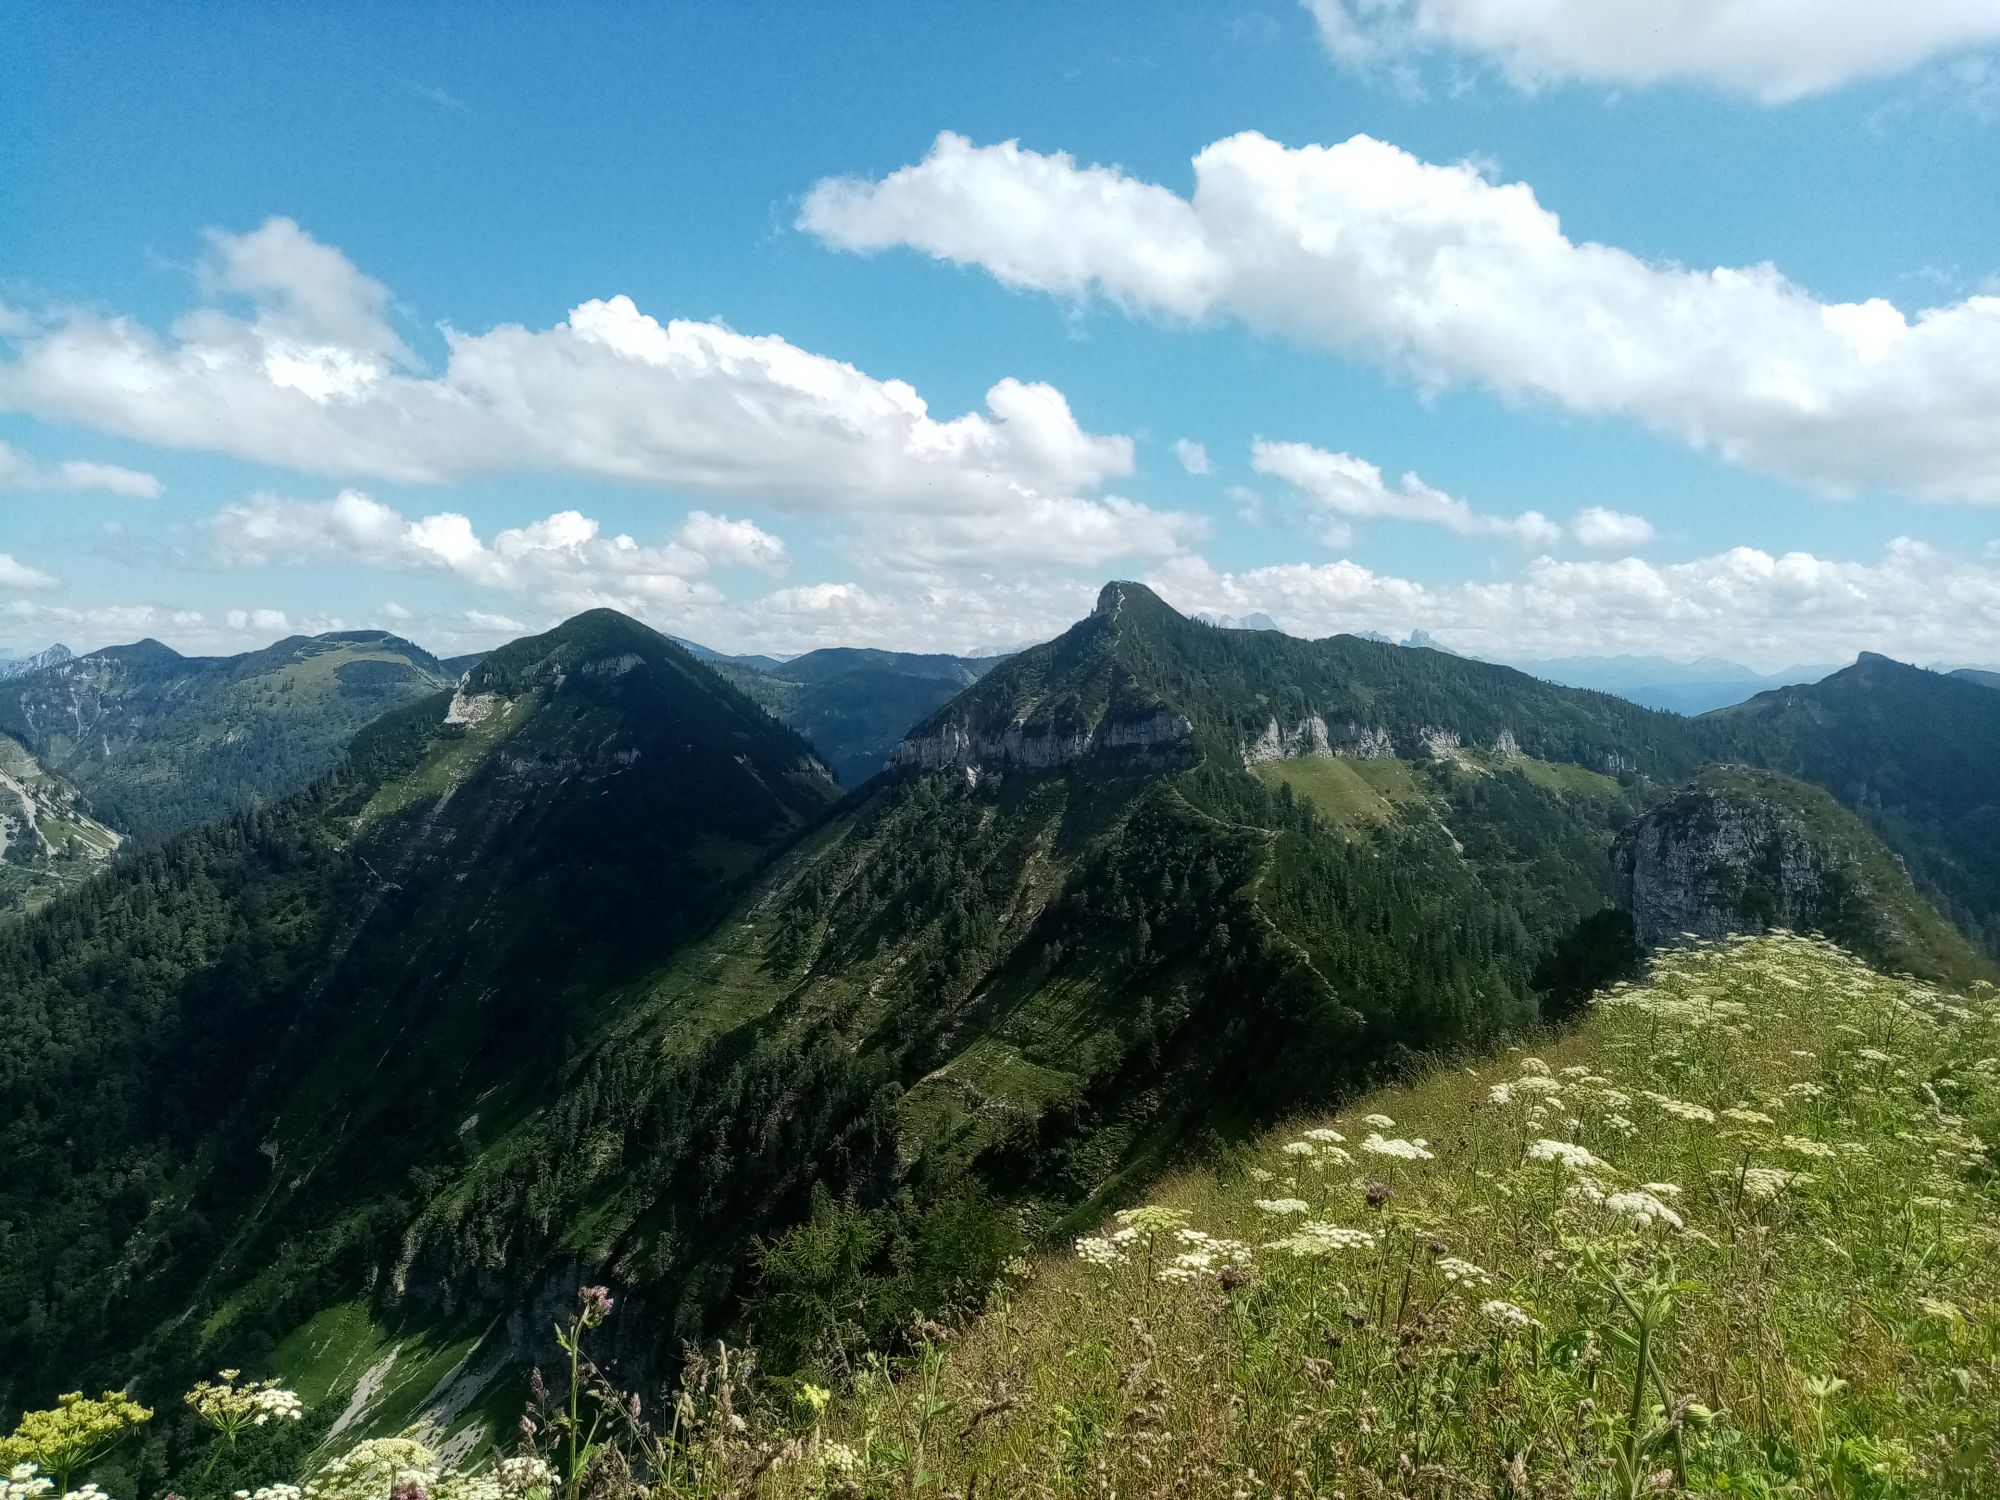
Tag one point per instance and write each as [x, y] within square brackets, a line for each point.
[1736, 1234]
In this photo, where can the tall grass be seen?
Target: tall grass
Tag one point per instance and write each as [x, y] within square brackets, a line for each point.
[1737, 1234]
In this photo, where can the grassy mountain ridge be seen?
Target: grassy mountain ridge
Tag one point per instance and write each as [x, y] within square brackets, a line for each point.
[1724, 1238]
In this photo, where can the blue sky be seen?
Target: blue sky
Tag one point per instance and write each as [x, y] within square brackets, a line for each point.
[288, 335]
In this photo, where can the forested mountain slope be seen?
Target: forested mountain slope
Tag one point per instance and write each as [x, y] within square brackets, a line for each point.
[575, 973]
[159, 742]
[1138, 681]
[854, 704]
[47, 841]
[1911, 752]
[222, 1062]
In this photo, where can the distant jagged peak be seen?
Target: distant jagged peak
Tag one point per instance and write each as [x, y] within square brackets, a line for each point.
[51, 656]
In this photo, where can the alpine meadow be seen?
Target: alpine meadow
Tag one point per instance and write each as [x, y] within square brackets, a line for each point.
[599, 900]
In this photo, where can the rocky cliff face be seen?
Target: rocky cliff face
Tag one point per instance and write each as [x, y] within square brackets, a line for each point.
[1158, 740]
[1742, 851]
[1708, 864]
[1313, 737]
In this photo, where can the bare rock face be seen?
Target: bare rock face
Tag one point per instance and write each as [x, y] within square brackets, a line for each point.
[1313, 738]
[1158, 740]
[1715, 860]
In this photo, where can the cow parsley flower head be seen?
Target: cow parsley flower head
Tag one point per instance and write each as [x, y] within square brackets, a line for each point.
[1379, 1122]
[1461, 1272]
[1101, 1251]
[1747, 1116]
[1325, 1136]
[1567, 1154]
[1505, 1316]
[1283, 1205]
[1642, 1209]
[1763, 1183]
[1402, 1150]
[1806, 1147]
[1314, 1238]
[24, 1482]
[521, 1476]
[1153, 1218]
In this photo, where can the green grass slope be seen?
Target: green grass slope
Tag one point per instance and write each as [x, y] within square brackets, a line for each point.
[1737, 1234]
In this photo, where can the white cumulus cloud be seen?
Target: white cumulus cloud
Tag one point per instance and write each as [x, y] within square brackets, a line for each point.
[1192, 455]
[1595, 526]
[15, 574]
[1744, 604]
[1440, 274]
[1769, 50]
[563, 561]
[293, 361]
[22, 474]
[1353, 488]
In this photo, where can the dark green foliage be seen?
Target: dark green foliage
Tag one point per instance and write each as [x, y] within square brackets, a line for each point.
[854, 705]
[1597, 953]
[591, 982]
[159, 742]
[1911, 752]
[233, 1068]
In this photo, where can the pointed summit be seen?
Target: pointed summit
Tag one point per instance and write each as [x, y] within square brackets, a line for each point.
[1137, 683]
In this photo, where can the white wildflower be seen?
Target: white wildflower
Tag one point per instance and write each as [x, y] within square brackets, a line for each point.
[1763, 1183]
[1283, 1205]
[1747, 1116]
[1566, 1153]
[1098, 1250]
[1505, 1315]
[1462, 1272]
[1379, 1122]
[1325, 1136]
[1417, 1150]
[1643, 1209]
[1314, 1238]
[1806, 1147]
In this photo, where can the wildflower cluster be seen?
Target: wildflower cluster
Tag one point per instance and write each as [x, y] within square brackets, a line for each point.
[1628, 1266]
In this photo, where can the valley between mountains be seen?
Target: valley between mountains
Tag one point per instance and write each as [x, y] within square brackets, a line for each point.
[356, 1007]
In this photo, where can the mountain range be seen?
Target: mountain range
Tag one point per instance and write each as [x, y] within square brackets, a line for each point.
[580, 965]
